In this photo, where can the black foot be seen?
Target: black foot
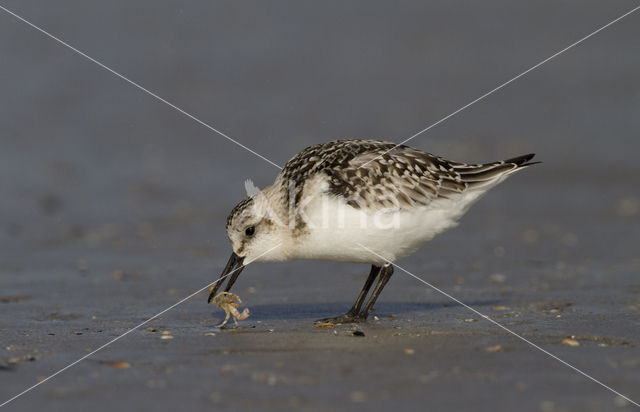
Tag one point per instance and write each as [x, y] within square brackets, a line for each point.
[346, 318]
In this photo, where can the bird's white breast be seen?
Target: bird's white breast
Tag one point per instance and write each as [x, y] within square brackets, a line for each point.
[337, 231]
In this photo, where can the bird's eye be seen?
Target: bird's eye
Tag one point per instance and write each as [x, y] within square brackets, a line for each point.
[250, 230]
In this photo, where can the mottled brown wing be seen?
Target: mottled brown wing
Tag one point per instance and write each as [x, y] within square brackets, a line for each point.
[400, 178]
[324, 157]
[403, 178]
[373, 174]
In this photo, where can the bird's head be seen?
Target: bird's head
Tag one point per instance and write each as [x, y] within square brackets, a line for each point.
[256, 233]
[254, 229]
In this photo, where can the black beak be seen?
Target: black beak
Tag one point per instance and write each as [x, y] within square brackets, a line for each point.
[234, 267]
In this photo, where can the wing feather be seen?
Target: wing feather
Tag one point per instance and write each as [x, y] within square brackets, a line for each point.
[373, 174]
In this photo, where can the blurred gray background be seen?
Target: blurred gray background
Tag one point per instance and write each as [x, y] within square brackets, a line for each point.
[113, 204]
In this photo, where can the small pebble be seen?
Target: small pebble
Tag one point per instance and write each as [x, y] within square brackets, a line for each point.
[166, 337]
[497, 278]
[530, 236]
[620, 401]
[496, 348]
[628, 206]
[358, 333]
[570, 342]
[357, 396]
[118, 274]
[118, 365]
[324, 325]
[82, 266]
[210, 334]
[409, 351]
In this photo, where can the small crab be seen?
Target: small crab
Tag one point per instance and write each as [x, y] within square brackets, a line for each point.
[229, 302]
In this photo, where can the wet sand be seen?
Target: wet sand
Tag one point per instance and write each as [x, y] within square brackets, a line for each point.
[113, 207]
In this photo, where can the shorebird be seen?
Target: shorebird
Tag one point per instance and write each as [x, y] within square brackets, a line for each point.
[361, 201]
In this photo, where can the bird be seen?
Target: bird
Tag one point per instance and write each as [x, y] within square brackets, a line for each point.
[359, 201]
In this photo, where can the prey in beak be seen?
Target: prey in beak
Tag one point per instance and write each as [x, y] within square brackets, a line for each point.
[233, 268]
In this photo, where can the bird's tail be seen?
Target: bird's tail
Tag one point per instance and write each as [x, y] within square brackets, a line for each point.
[522, 161]
[490, 174]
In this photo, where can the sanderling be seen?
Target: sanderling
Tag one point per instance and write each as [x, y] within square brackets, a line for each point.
[343, 200]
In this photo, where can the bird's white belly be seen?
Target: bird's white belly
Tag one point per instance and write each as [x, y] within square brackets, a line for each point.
[337, 231]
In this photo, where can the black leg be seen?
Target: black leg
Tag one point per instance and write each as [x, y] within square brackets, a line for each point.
[385, 275]
[355, 309]
[352, 314]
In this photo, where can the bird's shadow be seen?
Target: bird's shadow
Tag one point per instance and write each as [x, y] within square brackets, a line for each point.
[291, 311]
